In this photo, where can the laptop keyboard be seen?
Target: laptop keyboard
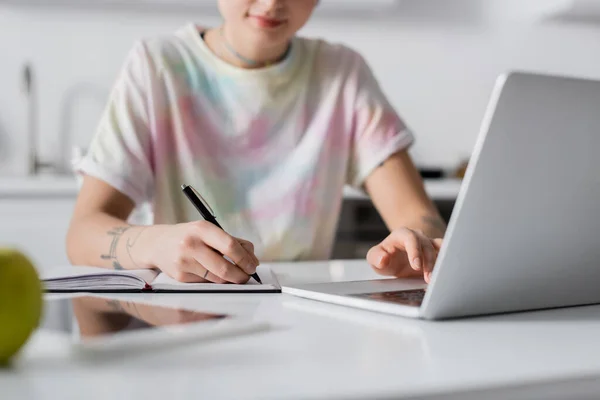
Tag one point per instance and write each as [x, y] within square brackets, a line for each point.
[405, 297]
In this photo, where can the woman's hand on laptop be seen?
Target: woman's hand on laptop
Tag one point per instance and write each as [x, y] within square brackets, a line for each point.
[405, 253]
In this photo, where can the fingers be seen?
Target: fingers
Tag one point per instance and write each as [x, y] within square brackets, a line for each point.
[386, 264]
[405, 252]
[229, 246]
[408, 241]
[249, 247]
[437, 245]
[187, 277]
[428, 251]
[208, 248]
[378, 257]
[191, 271]
[217, 265]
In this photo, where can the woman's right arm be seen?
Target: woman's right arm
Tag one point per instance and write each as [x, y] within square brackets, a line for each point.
[99, 229]
[99, 235]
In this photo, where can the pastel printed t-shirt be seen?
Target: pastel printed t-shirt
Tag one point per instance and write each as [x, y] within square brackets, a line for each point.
[269, 149]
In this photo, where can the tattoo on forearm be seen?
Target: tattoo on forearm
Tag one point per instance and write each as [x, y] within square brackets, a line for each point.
[116, 234]
[130, 243]
[435, 223]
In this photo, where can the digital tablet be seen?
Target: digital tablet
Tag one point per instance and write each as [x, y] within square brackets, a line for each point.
[98, 324]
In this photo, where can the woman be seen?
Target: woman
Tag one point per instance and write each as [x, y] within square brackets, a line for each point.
[268, 127]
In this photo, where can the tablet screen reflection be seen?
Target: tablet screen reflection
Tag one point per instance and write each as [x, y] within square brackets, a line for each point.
[100, 316]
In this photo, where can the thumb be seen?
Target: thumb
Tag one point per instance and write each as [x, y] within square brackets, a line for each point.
[377, 257]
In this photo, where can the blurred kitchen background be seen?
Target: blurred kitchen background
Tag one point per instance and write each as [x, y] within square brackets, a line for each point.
[437, 60]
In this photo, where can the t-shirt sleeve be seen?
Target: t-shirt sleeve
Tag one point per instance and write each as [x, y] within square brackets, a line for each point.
[378, 131]
[120, 152]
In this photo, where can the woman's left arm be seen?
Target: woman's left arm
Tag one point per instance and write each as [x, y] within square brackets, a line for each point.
[417, 229]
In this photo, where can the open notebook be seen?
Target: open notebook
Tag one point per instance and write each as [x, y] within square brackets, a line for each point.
[92, 279]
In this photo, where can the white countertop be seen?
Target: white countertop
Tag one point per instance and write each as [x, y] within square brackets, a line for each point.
[437, 189]
[38, 186]
[66, 186]
[317, 350]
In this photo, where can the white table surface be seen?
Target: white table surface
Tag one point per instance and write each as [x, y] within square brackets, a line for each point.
[317, 350]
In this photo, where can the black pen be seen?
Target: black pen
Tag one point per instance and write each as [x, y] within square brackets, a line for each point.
[204, 210]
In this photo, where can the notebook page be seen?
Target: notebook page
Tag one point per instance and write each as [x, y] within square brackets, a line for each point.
[93, 278]
[270, 283]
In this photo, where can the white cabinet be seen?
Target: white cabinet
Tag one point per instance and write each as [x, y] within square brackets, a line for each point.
[38, 226]
[35, 213]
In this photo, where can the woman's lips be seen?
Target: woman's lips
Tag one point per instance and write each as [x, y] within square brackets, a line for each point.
[265, 22]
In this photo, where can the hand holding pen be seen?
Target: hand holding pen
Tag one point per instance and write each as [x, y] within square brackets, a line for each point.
[194, 252]
[206, 212]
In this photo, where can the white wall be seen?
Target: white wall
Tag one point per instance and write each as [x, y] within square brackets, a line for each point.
[438, 75]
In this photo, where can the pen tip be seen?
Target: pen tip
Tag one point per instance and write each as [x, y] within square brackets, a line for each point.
[183, 186]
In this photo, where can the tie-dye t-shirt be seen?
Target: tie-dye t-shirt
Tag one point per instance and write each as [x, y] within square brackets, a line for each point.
[269, 149]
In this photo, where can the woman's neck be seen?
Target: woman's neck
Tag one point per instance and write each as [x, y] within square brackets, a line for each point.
[238, 52]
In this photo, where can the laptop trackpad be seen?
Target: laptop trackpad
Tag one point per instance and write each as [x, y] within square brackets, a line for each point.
[413, 297]
[362, 287]
[406, 292]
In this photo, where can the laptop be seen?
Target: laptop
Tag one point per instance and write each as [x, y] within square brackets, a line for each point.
[525, 230]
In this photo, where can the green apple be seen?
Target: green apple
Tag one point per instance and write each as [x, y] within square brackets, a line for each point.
[21, 302]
